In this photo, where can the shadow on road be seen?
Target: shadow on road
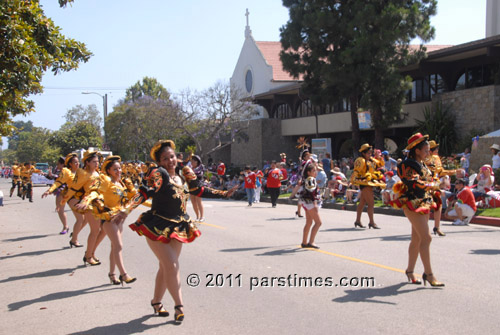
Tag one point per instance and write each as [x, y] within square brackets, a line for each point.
[32, 253]
[282, 219]
[485, 252]
[60, 295]
[280, 252]
[44, 274]
[132, 327]
[24, 238]
[371, 294]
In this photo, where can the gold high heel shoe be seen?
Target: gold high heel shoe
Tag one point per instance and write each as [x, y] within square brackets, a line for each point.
[434, 283]
[76, 245]
[437, 231]
[113, 280]
[127, 281]
[179, 317]
[160, 311]
[412, 280]
[91, 261]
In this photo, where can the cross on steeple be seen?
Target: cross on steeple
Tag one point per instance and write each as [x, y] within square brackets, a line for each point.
[248, 32]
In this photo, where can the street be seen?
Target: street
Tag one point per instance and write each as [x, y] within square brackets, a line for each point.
[248, 275]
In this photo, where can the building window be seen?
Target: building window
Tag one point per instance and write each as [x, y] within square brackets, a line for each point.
[437, 84]
[249, 81]
[305, 109]
[420, 91]
[282, 111]
[475, 77]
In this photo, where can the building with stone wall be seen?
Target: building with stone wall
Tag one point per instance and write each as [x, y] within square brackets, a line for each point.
[464, 77]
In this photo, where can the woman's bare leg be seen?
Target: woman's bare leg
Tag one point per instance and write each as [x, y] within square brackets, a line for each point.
[168, 276]
[61, 213]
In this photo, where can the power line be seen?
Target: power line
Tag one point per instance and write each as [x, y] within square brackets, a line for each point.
[86, 88]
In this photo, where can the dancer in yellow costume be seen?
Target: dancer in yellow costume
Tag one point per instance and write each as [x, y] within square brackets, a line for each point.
[16, 179]
[60, 187]
[433, 162]
[85, 181]
[26, 171]
[366, 176]
[108, 200]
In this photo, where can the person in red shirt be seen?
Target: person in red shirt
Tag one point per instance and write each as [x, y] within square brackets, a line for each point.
[221, 173]
[274, 178]
[284, 172]
[465, 207]
[250, 184]
[221, 169]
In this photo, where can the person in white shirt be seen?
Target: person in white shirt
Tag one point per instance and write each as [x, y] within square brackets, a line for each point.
[495, 150]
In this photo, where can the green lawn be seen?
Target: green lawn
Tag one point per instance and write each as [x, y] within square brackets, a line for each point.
[491, 212]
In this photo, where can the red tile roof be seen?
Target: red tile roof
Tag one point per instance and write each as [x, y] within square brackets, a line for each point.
[271, 52]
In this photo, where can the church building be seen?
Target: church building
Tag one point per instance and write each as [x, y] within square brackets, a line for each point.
[465, 77]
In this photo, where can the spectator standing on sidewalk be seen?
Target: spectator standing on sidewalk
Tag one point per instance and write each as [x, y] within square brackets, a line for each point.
[250, 184]
[258, 184]
[274, 178]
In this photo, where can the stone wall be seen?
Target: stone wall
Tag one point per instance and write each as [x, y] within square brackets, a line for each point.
[475, 108]
[482, 154]
[261, 141]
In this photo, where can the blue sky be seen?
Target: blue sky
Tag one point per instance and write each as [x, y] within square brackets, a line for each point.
[183, 44]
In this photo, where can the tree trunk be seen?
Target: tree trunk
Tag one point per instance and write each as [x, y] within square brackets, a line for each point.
[355, 125]
[379, 131]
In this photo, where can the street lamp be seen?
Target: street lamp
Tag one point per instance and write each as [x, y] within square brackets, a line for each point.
[105, 111]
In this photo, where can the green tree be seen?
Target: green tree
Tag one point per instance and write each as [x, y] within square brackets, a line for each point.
[8, 156]
[352, 49]
[77, 136]
[141, 119]
[30, 44]
[89, 114]
[148, 87]
[20, 126]
[32, 145]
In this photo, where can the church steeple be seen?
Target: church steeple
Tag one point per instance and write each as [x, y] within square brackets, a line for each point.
[248, 32]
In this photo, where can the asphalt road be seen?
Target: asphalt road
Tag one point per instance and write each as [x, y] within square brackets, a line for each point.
[45, 289]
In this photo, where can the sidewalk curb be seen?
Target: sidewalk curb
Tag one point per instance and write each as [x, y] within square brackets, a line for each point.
[480, 220]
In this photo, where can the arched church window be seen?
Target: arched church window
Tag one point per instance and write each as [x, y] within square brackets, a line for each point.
[249, 81]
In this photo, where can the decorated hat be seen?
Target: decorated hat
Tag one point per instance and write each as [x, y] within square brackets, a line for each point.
[160, 144]
[68, 158]
[110, 160]
[303, 153]
[416, 139]
[196, 158]
[364, 147]
[89, 154]
[433, 144]
[487, 167]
